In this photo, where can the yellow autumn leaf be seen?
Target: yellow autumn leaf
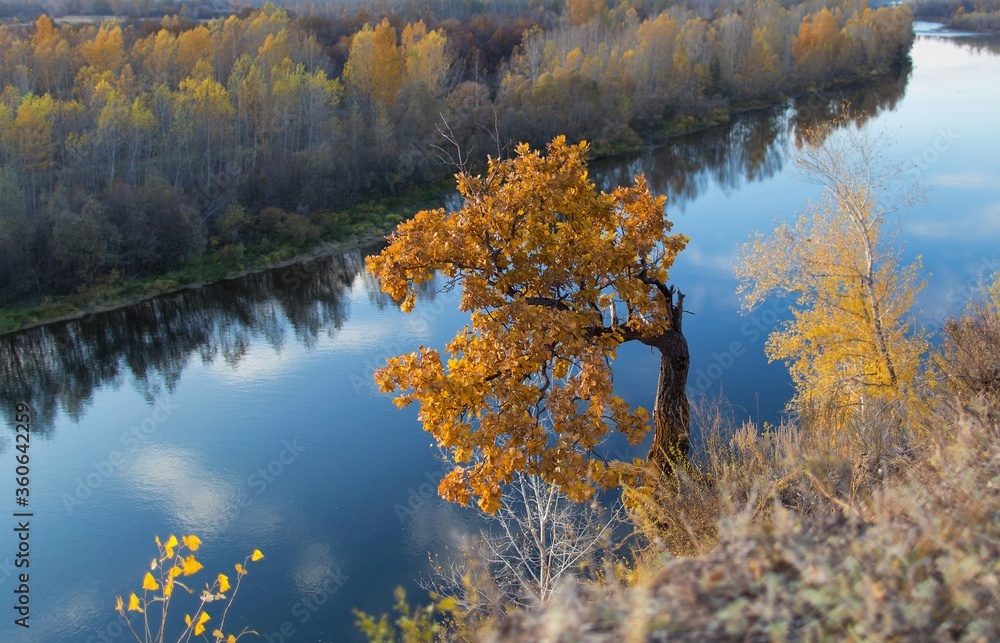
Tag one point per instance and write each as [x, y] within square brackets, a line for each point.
[218, 635]
[256, 555]
[175, 571]
[168, 587]
[231, 639]
[240, 569]
[187, 620]
[149, 583]
[223, 583]
[169, 546]
[119, 606]
[133, 603]
[200, 625]
[190, 565]
[192, 542]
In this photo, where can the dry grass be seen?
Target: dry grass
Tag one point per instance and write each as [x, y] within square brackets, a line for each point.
[917, 558]
[886, 530]
[970, 358]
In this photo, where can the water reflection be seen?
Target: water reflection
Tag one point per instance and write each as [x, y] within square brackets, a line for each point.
[980, 43]
[977, 41]
[196, 498]
[866, 101]
[60, 366]
[752, 148]
[749, 149]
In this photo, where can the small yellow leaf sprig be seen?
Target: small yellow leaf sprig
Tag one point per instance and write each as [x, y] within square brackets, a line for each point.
[170, 569]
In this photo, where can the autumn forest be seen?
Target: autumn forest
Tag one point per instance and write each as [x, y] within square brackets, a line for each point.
[130, 148]
[500, 320]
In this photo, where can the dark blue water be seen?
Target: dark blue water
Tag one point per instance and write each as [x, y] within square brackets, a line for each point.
[245, 412]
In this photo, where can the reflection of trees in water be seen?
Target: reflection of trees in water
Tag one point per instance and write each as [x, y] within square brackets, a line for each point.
[982, 42]
[748, 149]
[866, 101]
[751, 148]
[59, 366]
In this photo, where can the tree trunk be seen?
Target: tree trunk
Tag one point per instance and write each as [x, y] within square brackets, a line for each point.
[671, 411]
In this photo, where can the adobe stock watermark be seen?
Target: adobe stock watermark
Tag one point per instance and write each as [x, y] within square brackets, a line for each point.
[7, 570]
[758, 327]
[304, 610]
[968, 289]
[930, 155]
[257, 483]
[425, 313]
[349, 255]
[109, 632]
[114, 463]
[221, 188]
[909, 179]
[419, 496]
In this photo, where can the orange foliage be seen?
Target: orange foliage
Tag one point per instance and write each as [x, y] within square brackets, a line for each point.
[556, 275]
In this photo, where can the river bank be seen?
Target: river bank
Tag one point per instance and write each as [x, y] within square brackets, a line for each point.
[378, 220]
[105, 299]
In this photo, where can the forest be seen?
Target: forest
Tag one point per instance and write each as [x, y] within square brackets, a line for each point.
[134, 147]
[981, 15]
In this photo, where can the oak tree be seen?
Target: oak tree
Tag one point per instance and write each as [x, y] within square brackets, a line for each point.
[556, 275]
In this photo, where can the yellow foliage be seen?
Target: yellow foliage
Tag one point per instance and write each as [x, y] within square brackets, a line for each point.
[106, 52]
[168, 547]
[199, 627]
[176, 561]
[851, 337]
[427, 58]
[149, 583]
[190, 565]
[556, 275]
[33, 131]
[375, 65]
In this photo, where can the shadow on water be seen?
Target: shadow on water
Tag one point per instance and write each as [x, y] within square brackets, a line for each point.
[752, 147]
[980, 43]
[60, 366]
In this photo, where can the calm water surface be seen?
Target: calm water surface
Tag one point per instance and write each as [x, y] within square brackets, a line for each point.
[245, 412]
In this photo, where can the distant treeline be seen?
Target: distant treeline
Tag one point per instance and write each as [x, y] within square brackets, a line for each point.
[128, 149]
[976, 15]
[30, 10]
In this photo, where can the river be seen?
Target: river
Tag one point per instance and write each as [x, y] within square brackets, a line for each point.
[245, 412]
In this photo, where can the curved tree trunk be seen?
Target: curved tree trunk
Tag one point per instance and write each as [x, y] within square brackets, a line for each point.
[671, 411]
